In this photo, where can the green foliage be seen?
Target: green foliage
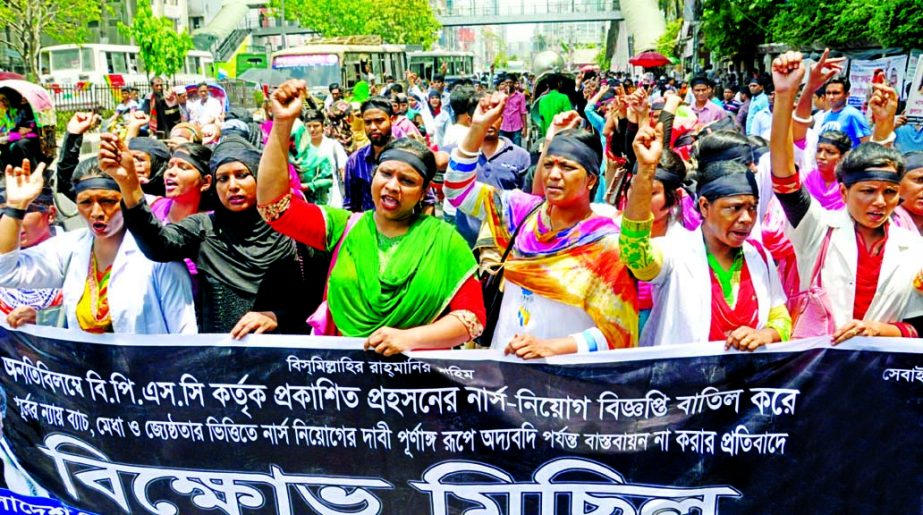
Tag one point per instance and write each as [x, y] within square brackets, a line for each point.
[27, 20]
[162, 49]
[666, 45]
[736, 27]
[898, 23]
[406, 22]
[835, 23]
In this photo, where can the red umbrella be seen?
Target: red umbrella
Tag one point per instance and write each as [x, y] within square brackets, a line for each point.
[11, 76]
[649, 60]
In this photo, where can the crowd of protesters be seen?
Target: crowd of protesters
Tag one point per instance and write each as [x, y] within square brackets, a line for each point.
[413, 215]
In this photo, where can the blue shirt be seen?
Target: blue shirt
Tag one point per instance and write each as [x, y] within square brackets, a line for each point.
[908, 138]
[757, 104]
[849, 120]
[505, 170]
[357, 181]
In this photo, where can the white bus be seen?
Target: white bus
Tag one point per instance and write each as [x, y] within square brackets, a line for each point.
[324, 63]
[457, 65]
[70, 64]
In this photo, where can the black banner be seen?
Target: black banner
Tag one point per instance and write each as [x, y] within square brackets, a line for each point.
[184, 425]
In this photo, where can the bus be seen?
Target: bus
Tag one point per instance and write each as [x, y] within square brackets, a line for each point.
[325, 62]
[458, 65]
[91, 63]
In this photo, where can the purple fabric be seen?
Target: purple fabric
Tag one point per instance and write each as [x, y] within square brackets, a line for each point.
[828, 196]
[708, 114]
[402, 127]
[512, 113]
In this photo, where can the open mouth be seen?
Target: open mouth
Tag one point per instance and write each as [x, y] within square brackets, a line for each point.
[237, 200]
[100, 227]
[389, 203]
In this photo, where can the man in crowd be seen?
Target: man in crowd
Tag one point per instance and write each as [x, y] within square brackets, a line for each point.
[438, 85]
[463, 100]
[514, 126]
[127, 106]
[745, 98]
[205, 109]
[335, 95]
[553, 103]
[162, 110]
[758, 102]
[908, 136]
[729, 103]
[843, 117]
[401, 126]
[705, 110]
[182, 100]
[376, 113]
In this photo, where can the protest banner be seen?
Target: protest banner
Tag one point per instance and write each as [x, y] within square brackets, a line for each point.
[275, 424]
[862, 71]
[914, 109]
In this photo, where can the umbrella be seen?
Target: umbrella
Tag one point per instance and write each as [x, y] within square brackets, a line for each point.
[649, 60]
[214, 90]
[269, 76]
[11, 76]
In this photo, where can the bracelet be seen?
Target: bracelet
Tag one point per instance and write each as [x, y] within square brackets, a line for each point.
[890, 139]
[13, 212]
[806, 121]
[467, 153]
[274, 210]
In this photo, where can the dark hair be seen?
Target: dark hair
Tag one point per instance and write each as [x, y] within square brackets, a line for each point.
[869, 155]
[461, 99]
[87, 168]
[380, 103]
[333, 86]
[196, 151]
[438, 77]
[418, 149]
[313, 115]
[396, 88]
[838, 80]
[199, 85]
[820, 92]
[716, 143]
[838, 139]
[673, 163]
[745, 91]
[718, 169]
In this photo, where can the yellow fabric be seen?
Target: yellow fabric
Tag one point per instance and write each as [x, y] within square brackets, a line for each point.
[93, 307]
[781, 321]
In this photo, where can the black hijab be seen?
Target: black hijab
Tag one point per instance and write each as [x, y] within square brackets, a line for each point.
[160, 156]
[240, 247]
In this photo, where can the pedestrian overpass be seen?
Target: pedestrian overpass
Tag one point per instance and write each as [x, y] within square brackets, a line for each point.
[509, 12]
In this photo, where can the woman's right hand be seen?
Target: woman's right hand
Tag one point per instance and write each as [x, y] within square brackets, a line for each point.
[21, 316]
[80, 123]
[288, 99]
[648, 145]
[116, 160]
[23, 185]
[562, 122]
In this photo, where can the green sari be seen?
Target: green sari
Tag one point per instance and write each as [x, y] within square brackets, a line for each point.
[412, 289]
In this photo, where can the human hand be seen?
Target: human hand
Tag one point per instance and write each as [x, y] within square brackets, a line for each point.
[900, 120]
[489, 110]
[527, 346]
[389, 341]
[23, 185]
[256, 322]
[287, 100]
[787, 73]
[748, 339]
[81, 122]
[648, 145]
[883, 103]
[21, 316]
[211, 133]
[138, 119]
[639, 105]
[855, 328]
[562, 122]
[116, 161]
[671, 101]
[825, 69]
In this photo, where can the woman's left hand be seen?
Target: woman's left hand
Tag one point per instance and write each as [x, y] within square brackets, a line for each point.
[389, 341]
[527, 346]
[21, 316]
[748, 339]
[255, 322]
[855, 328]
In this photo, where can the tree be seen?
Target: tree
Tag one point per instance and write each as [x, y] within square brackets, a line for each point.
[28, 20]
[162, 49]
[735, 28]
[405, 22]
[898, 23]
[666, 45]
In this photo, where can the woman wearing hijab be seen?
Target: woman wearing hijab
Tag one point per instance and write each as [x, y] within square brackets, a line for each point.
[107, 283]
[401, 279]
[566, 289]
[870, 264]
[746, 308]
[248, 276]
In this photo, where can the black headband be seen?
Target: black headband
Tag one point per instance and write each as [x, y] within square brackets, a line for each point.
[409, 158]
[871, 174]
[837, 144]
[569, 147]
[152, 147]
[233, 152]
[670, 180]
[732, 184]
[96, 183]
[743, 154]
[914, 161]
[197, 163]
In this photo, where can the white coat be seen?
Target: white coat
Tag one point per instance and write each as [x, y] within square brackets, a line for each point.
[895, 298]
[681, 292]
[144, 297]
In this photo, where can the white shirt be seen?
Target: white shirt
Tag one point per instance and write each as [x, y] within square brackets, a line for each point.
[204, 112]
[894, 300]
[332, 150]
[144, 297]
[525, 312]
[682, 290]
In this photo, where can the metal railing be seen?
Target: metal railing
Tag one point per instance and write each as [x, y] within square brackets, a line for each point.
[528, 7]
[69, 98]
